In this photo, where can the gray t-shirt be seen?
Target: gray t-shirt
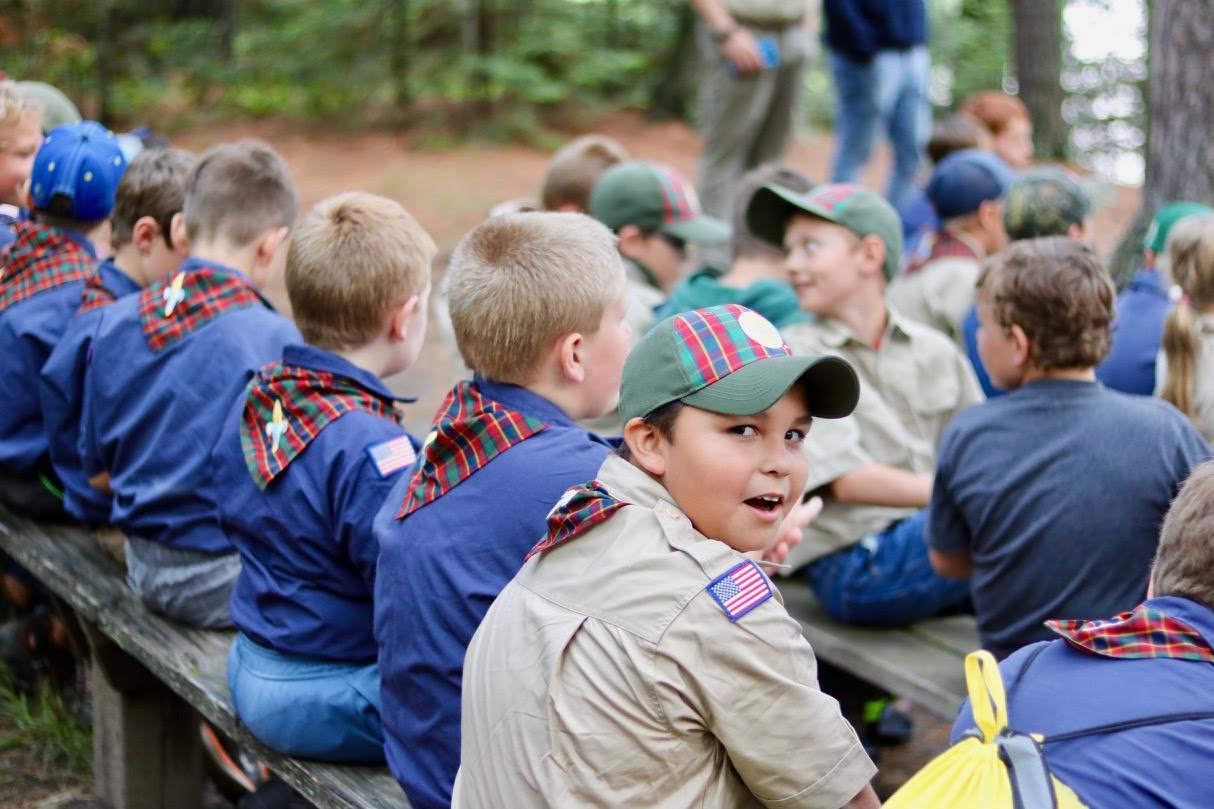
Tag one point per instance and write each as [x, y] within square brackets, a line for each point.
[1058, 490]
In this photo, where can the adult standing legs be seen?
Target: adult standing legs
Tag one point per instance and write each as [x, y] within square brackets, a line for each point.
[788, 79]
[909, 122]
[856, 115]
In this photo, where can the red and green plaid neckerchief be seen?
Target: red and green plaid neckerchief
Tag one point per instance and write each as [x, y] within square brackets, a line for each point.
[173, 308]
[579, 509]
[41, 259]
[469, 432]
[942, 245]
[1143, 632]
[96, 294]
[286, 406]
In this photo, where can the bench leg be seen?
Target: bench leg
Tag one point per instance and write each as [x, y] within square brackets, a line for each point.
[146, 748]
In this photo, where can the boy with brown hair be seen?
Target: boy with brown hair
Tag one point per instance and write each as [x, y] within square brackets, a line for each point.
[20, 137]
[641, 656]
[574, 169]
[305, 458]
[538, 304]
[167, 365]
[146, 248]
[71, 194]
[1048, 499]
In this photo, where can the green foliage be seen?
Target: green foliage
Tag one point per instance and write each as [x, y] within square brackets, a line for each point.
[44, 724]
[971, 41]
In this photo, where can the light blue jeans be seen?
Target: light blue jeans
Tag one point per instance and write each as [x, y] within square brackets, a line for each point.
[886, 579]
[889, 92]
[318, 709]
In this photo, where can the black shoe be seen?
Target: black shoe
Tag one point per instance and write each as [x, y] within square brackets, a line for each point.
[887, 725]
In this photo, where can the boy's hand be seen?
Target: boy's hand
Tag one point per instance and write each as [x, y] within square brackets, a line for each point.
[789, 535]
[101, 482]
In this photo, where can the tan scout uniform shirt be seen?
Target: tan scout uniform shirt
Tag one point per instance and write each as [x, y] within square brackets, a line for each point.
[910, 389]
[939, 294]
[643, 298]
[605, 674]
[1203, 371]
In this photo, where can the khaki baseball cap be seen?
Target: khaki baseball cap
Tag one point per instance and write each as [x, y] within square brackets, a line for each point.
[860, 211]
[653, 197]
[731, 360]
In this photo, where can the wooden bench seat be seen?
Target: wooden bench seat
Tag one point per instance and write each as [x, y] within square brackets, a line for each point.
[924, 663]
[146, 745]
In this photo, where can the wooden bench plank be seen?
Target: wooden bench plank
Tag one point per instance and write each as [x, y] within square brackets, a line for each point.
[192, 662]
[923, 663]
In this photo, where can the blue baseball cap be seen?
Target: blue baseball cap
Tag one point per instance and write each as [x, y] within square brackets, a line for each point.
[83, 162]
[966, 179]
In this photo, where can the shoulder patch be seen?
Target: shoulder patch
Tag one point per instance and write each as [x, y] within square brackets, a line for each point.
[392, 455]
[740, 590]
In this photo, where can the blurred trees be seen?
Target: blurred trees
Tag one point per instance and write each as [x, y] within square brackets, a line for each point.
[1038, 58]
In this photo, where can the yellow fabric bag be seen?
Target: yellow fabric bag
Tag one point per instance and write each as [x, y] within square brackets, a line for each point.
[999, 769]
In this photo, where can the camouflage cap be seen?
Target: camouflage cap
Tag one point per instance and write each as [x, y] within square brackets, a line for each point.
[1044, 202]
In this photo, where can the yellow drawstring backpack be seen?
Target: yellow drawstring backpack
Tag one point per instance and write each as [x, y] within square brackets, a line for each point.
[995, 768]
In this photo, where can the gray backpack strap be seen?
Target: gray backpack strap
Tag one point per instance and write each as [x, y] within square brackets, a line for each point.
[1030, 777]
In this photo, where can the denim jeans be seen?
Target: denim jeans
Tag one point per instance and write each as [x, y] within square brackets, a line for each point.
[885, 579]
[319, 709]
[890, 92]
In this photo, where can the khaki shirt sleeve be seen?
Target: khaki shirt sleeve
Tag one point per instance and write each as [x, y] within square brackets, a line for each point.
[971, 390]
[834, 449]
[752, 684]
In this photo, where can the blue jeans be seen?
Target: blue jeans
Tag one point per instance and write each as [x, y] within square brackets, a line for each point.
[885, 579]
[890, 92]
[319, 709]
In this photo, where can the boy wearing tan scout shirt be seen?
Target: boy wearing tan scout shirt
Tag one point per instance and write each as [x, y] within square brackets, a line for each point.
[640, 656]
[865, 556]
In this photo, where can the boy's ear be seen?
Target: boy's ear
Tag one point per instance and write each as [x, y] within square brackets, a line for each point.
[144, 233]
[270, 243]
[569, 357]
[177, 233]
[646, 445]
[1023, 345]
[872, 252]
[631, 241]
[399, 318]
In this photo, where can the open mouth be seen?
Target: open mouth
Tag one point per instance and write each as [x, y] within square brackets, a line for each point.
[766, 503]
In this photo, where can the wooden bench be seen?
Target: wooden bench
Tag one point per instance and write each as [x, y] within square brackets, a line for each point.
[924, 663]
[152, 678]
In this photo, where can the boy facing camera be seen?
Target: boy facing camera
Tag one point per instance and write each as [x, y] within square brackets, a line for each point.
[641, 655]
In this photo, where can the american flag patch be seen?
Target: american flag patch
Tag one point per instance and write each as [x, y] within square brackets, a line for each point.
[392, 455]
[740, 590]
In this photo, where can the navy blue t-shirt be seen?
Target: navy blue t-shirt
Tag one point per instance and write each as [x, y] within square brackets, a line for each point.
[1141, 311]
[1057, 490]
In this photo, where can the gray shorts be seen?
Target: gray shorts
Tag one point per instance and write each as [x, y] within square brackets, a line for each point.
[189, 586]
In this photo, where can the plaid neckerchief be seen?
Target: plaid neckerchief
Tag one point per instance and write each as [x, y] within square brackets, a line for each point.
[469, 432]
[173, 308]
[286, 406]
[96, 294]
[579, 509]
[940, 245]
[1143, 632]
[41, 259]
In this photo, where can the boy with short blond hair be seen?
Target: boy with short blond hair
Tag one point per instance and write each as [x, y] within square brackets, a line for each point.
[305, 457]
[641, 656]
[72, 186]
[147, 202]
[574, 169]
[167, 365]
[1049, 498]
[538, 304]
[20, 137]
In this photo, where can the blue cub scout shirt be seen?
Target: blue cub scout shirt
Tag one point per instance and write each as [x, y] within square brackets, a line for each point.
[306, 548]
[151, 419]
[1137, 335]
[440, 569]
[29, 332]
[62, 393]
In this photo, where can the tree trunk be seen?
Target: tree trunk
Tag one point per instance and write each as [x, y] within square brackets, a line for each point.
[1180, 116]
[1037, 47]
[401, 48]
[674, 90]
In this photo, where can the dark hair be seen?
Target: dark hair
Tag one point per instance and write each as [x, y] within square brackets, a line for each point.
[661, 419]
[953, 134]
[744, 243]
[58, 214]
[1057, 290]
[152, 185]
[237, 192]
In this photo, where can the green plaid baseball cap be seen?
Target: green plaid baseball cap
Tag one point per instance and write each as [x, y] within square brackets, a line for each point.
[1044, 202]
[729, 359]
[859, 210]
[653, 197]
[1156, 238]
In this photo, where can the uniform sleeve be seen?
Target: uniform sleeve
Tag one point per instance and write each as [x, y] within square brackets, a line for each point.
[834, 449]
[752, 684]
[88, 446]
[971, 389]
[947, 529]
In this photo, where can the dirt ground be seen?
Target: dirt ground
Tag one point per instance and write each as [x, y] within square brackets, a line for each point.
[449, 190]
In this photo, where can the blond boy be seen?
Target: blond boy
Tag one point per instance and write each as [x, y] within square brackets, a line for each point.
[538, 304]
[641, 656]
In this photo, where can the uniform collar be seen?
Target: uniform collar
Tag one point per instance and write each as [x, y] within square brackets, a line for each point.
[836, 334]
[1150, 281]
[115, 279]
[632, 484]
[79, 239]
[317, 359]
[196, 263]
[526, 402]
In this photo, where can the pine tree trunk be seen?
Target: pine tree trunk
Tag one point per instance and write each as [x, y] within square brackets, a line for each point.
[1037, 48]
[1180, 116]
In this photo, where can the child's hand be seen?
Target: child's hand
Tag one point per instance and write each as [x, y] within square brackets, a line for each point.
[789, 535]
